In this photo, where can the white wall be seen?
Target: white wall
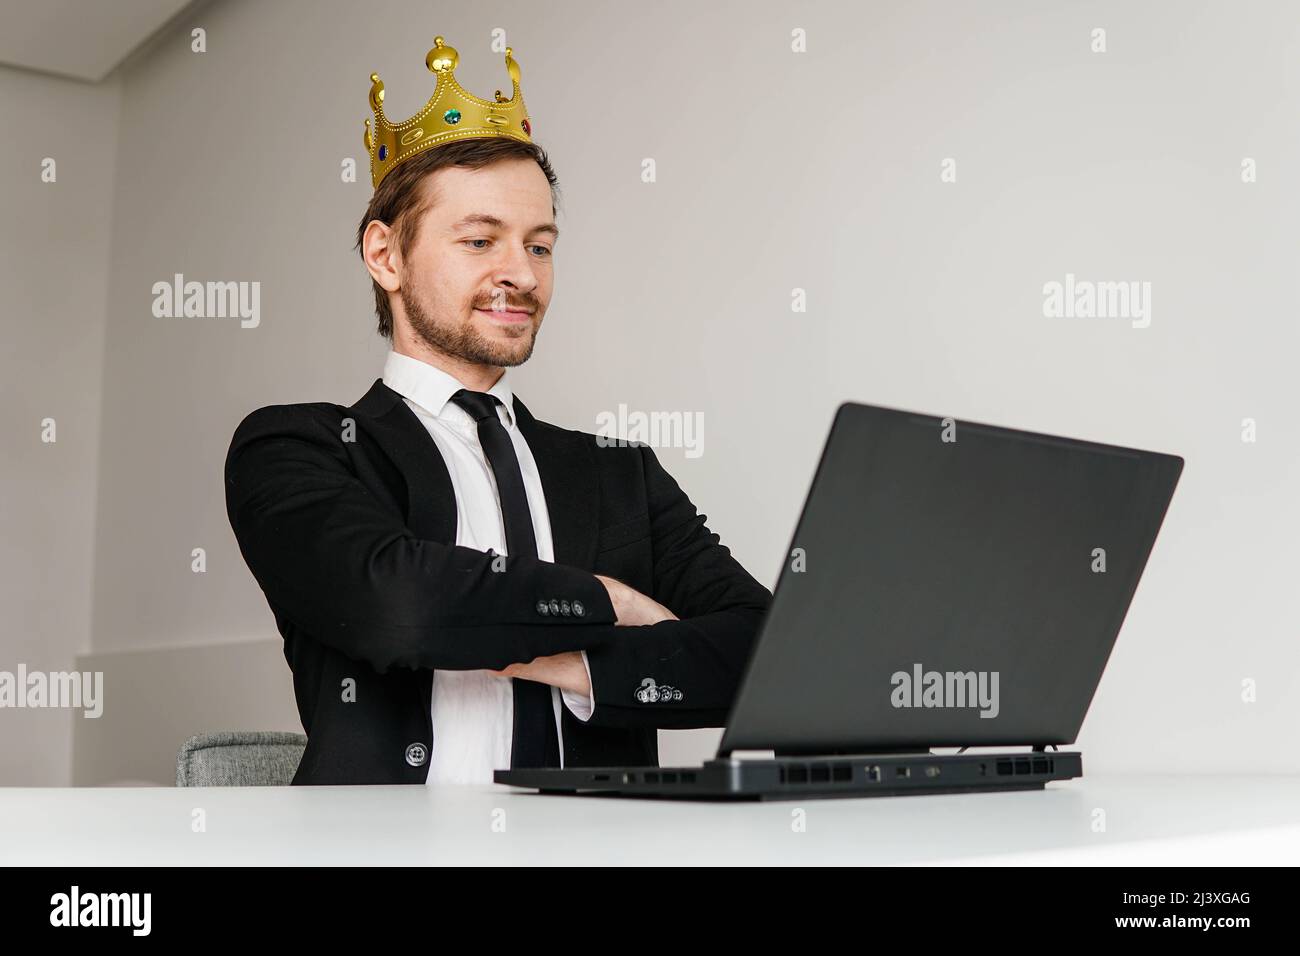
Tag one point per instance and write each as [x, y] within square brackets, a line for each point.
[819, 171]
[53, 278]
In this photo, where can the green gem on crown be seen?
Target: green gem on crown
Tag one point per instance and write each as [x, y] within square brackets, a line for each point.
[451, 116]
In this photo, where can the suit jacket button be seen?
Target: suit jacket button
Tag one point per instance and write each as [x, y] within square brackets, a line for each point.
[578, 609]
[416, 755]
[555, 606]
[543, 608]
[565, 609]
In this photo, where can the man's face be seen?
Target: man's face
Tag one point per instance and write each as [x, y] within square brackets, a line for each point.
[477, 279]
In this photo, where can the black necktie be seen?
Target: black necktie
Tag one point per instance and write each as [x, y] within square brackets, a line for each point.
[535, 741]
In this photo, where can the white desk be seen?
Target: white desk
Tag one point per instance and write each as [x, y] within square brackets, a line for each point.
[1149, 820]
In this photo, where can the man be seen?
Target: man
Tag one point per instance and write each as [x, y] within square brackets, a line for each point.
[462, 587]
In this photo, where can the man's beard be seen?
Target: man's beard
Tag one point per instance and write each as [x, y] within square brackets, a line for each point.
[464, 342]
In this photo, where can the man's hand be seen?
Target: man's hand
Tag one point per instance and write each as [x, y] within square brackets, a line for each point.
[565, 671]
[631, 607]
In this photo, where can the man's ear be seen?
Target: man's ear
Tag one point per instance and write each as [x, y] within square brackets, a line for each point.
[382, 257]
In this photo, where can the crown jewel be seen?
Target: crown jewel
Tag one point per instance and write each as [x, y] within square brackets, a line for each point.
[452, 113]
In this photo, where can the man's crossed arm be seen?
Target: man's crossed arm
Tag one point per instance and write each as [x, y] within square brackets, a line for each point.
[567, 671]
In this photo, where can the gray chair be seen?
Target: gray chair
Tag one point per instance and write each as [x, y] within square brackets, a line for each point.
[242, 758]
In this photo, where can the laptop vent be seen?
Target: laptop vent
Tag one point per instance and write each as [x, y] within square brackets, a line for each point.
[666, 776]
[1021, 766]
[817, 773]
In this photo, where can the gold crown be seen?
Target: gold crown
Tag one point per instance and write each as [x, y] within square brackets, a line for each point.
[452, 113]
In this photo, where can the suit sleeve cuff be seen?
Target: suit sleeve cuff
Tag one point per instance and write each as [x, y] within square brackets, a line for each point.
[581, 705]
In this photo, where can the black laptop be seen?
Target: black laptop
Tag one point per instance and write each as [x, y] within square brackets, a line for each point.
[949, 585]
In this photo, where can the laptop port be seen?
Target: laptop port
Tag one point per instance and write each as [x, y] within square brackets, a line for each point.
[1022, 765]
[873, 774]
[1040, 765]
[601, 777]
[1004, 768]
[821, 774]
[903, 771]
[932, 771]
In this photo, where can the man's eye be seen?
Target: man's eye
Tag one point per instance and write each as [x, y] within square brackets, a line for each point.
[543, 253]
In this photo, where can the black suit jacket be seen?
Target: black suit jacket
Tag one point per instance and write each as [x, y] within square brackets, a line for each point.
[347, 519]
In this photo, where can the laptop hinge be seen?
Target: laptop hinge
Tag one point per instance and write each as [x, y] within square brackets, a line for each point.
[850, 752]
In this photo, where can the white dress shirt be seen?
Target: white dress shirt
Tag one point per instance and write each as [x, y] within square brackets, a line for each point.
[473, 711]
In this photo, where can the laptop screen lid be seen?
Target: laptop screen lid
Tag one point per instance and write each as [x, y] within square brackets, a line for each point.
[949, 584]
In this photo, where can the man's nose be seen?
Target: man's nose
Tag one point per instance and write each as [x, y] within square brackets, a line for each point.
[515, 270]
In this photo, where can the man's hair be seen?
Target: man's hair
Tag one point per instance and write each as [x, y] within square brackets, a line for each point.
[399, 201]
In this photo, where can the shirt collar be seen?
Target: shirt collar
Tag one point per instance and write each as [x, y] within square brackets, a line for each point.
[431, 388]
